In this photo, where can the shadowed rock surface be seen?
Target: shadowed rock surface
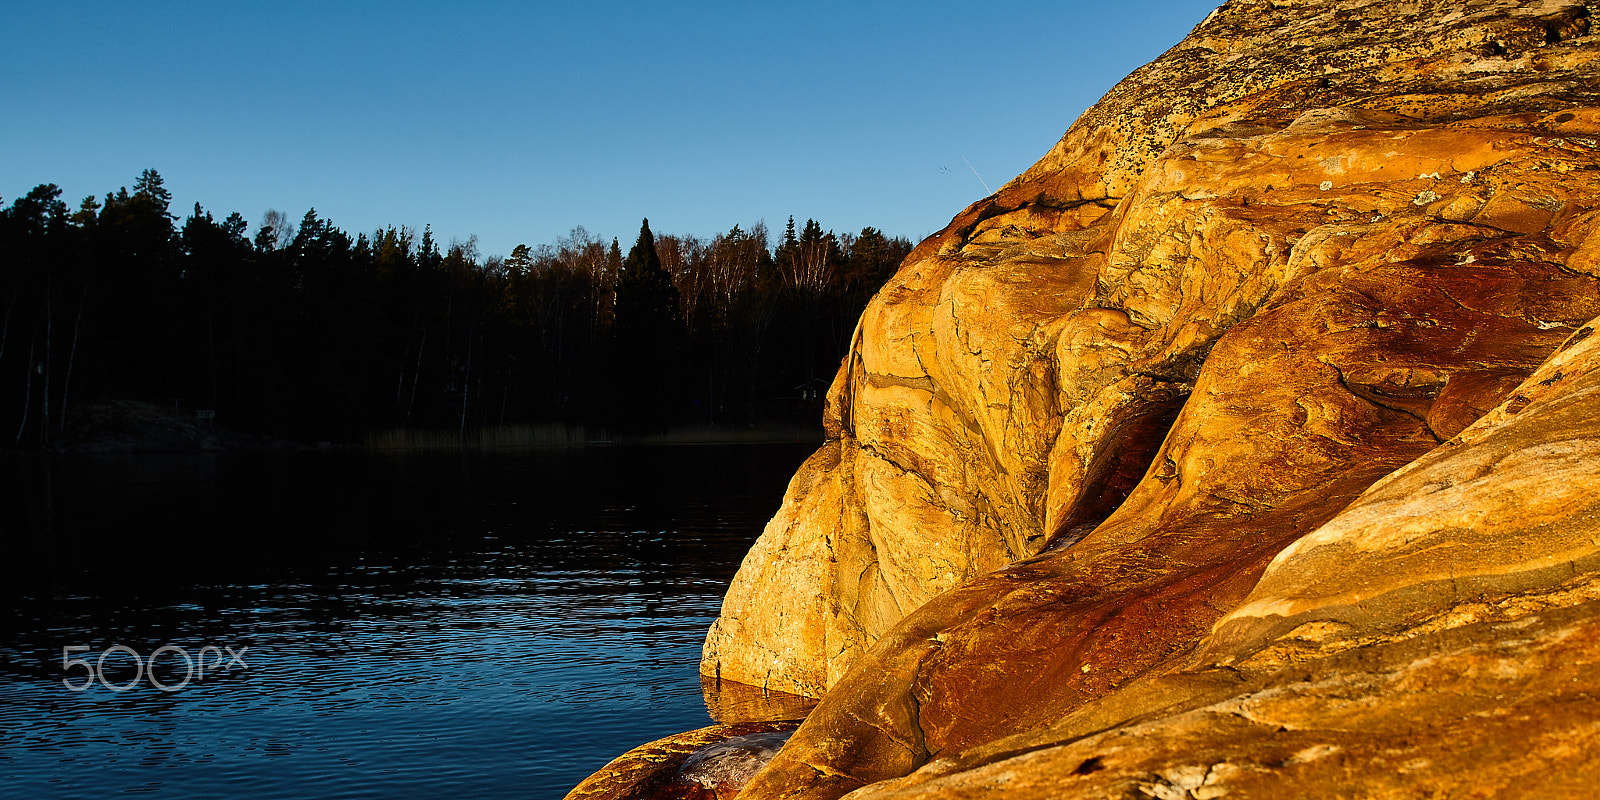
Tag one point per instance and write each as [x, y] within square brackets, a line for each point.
[1247, 445]
[704, 764]
[719, 771]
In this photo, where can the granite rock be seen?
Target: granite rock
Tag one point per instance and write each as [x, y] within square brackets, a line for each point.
[1246, 445]
[1009, 388]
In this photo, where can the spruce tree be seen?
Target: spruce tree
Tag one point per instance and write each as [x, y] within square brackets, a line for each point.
[649, 337]
[647, 300]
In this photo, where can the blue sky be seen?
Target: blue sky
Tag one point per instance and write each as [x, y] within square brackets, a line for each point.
[516, 122]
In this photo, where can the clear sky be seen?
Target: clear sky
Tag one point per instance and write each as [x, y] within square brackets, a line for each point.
[516, 121]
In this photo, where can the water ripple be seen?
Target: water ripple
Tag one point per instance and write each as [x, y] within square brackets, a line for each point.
[407, 654]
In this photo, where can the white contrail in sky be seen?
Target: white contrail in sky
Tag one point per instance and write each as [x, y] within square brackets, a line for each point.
[980, 177]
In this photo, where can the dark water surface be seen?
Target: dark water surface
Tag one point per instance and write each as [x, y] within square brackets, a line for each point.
[489, 625]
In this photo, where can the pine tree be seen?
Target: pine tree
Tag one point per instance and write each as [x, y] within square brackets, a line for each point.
[151, 189]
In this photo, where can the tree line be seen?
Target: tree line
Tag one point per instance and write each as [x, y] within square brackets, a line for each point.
[303, 331]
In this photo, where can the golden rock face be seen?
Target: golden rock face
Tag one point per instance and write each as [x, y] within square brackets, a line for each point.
[1440, 633]
[1247, 445]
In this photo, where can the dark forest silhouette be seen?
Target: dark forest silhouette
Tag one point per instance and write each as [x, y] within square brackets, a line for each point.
[304, 332]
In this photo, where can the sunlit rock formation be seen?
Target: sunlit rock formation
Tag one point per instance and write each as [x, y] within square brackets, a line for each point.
[1247, 445]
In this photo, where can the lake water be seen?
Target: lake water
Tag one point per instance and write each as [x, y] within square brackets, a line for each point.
[488, 625]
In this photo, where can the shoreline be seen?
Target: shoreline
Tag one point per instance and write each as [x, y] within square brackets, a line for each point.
[133, 427]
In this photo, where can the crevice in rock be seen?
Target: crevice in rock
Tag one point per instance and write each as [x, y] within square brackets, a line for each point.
[995, 207]
[1119, 464]
[1583, 333]
[1568, 25]
[875, 452]
[1376, 397]
[920, 754]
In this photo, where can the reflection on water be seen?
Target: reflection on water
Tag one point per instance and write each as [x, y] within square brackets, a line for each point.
[495, 625]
